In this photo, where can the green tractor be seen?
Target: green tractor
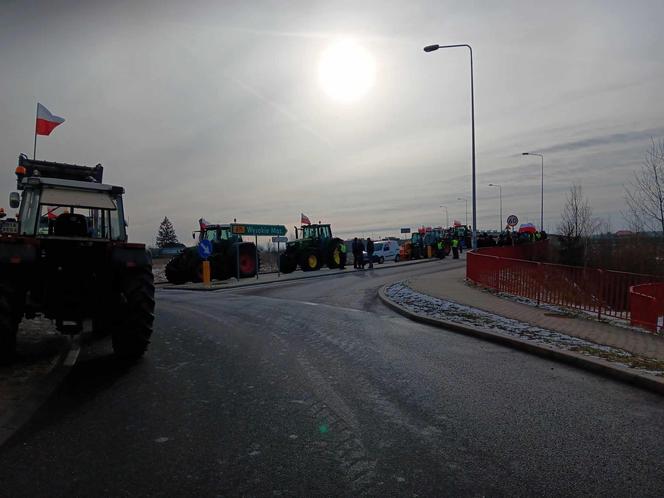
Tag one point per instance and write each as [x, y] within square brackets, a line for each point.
[230, 256]
[312, 248]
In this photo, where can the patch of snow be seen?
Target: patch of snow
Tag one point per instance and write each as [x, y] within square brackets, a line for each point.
[433, 307]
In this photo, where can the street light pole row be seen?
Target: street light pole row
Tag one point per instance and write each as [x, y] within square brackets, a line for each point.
[431, 48]
[500, 193]
[447, 216]
[541, 227]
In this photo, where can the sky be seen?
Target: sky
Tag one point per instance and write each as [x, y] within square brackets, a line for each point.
[218, 109]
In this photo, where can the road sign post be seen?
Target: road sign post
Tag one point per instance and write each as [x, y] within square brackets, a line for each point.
[204, 251]
[253, 229]
[512, 220]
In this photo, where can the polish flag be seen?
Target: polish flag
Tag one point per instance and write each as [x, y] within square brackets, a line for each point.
[304, 220]
[203, 223]
[457, 223]
[46, 121]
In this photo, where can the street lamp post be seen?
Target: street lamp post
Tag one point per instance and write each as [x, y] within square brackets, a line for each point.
[466, 199]
[500, 193]
[542, 193]
[447, 216]
[431, 48]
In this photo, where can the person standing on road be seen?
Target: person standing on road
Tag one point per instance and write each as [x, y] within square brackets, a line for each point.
[342, 254]
[356, 258]
[360, 254]
[455, 247]
[370, 251]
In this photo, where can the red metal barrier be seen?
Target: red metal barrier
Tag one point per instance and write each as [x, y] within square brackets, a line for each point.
[530, 251]
[601, 292]
[647, 306]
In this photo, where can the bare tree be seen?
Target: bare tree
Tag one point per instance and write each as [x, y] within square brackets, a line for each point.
[576, 227]
[645, 194]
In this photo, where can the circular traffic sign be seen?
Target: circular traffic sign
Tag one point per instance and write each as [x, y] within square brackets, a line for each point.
[512, 220]
[205, 248]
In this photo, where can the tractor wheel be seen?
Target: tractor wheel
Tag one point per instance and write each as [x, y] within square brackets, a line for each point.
[132, 336]
[174, 272]
[310, 262]
[335, 256]
[8, 328]
[287, 264]
[381, 260]
[247, 261]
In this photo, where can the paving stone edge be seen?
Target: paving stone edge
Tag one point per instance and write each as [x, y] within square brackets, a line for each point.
[578, 360]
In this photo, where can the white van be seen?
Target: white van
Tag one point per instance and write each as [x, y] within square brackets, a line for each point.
[385, 250]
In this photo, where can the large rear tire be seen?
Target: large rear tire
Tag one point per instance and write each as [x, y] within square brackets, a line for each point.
[248, 261]
[287, 264]
[132, 335]
[8, 328]
[175, 274]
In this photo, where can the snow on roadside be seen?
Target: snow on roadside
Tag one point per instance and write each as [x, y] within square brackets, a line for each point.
[433, 307]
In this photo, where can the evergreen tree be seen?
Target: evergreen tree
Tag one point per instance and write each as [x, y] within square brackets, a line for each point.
[166, 236]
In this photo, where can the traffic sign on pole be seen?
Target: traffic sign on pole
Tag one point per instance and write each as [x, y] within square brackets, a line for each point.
[204, 249]
[277, 240]
[512, 220]
[253, 229]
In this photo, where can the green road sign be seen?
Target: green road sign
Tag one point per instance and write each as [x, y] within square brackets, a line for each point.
[250, 229]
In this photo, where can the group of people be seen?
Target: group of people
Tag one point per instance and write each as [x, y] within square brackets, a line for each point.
[358, 249]
[510, 238]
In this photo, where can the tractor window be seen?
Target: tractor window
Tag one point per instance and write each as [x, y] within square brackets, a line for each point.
[211, 235]
[65, 221]
[325, 232]
[309, 232]
[58, 220]
[29, 212]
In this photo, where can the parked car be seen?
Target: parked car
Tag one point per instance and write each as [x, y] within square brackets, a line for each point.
[385, 250]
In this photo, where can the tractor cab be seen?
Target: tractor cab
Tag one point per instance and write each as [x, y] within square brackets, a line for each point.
[313, 232]
[217, 233]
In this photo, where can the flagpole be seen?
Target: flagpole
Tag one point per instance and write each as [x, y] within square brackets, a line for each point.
[34, 150]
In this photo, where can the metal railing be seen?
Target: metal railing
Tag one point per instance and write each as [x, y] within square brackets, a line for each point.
[597, 291]
[647, 306]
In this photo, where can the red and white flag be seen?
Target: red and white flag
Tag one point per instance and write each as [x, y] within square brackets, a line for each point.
[457, 223]
[203, 223]
[46, 121]
[304, 220]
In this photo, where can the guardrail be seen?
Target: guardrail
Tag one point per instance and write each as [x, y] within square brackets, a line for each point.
[647, 306]
[597, 291]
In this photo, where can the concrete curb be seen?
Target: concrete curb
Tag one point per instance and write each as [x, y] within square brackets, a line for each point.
[287, 279]
[578, 360]
[16, 417]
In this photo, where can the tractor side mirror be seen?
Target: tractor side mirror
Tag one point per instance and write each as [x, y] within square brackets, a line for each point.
[14, 200]
[193, 235]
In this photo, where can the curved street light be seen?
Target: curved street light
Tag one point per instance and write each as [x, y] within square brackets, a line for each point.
[500, 193]
[432, 48]
[447, 215]
[466, 199]
[542, 194]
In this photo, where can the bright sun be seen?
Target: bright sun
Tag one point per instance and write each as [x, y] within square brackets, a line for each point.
[346, 71]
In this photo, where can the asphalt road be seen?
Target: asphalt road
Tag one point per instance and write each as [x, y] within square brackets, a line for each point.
[315, 388]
